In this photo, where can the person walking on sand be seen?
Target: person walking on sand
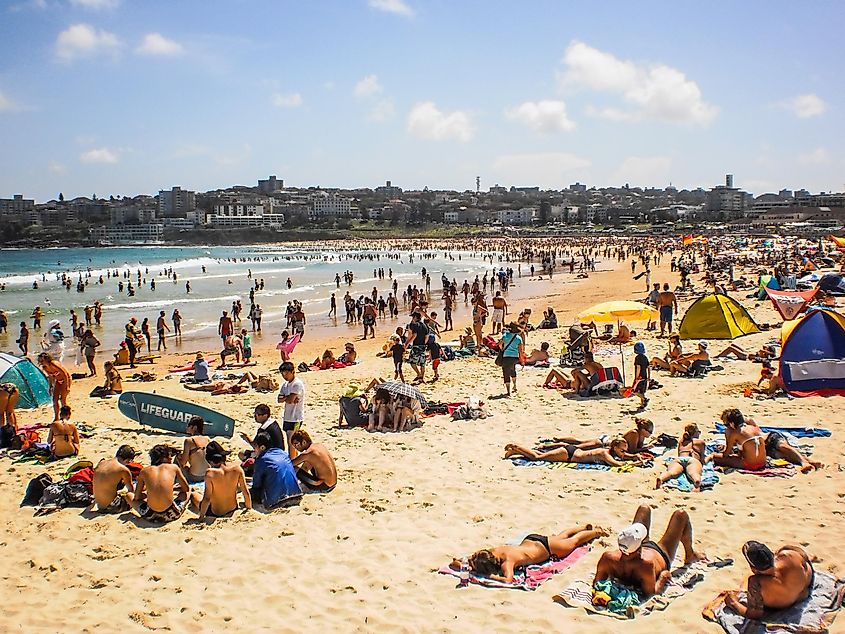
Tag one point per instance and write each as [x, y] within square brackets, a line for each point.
[161, 329]
[641, 374]
[176, 318]
[89, 345]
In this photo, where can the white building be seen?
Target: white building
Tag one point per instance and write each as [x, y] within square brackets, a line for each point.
[523, 216]
[245, 214]
[176, 202]
[329, 204]
[152, 232]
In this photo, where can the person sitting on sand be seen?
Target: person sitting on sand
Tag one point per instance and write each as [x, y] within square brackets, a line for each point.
[549, 319]
[156, 497]
[623, 335]
[691, 459]
[405, 413]
[538, 356]
[778, 580]
[63, 436]
[327, 360]
[121, 357]
[274, 482]
[767, 352]
[684, 362]
[200, 369]
[645, 564]
[382, 410]
[558, 379]
[501, 562]
[350, 354]
[192, 459]
[113, 383]
[111, 476]
[315, 467]
[675, 352]
[222, 483]
[581, 375]
[745, 444]
[615, 455]
[267, 425]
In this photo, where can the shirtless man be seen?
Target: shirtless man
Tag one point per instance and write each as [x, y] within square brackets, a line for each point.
[500, 311]
[538, 356]
[667, 303]
[314, 465]
[110, 476]
[156, 497]
[63, 437]
[779, 581]
[745, 444]
[643, 563]
[222, 483]
[500, 563]
[581, 376]
[192, 459]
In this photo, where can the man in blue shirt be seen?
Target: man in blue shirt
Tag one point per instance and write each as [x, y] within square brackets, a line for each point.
[274, 481]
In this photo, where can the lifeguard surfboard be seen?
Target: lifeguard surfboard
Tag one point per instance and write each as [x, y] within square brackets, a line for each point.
[171, 414]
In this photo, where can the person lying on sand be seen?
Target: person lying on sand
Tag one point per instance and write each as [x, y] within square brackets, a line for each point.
[766, 352]
[500, 562]
[615, 456]
[778, 447]
[111, 476]
[643, 563]
[744, 443]
[637, 436]
[558, 379]
[315, 467]
[633, 437]
[326, 361]
[538, 356]
[156, 497]
[222, 483]
[779, 580]
[691, 459]
[63, 436]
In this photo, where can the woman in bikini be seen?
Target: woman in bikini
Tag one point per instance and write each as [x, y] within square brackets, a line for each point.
[691, 459]
[558, 379]
[58, 379]
[63, 436]
[500, 563]
[637, 436]
[633, 437]
[9, 395]
[675, 352]
[745, 444]
[614, 456]
[382, 410]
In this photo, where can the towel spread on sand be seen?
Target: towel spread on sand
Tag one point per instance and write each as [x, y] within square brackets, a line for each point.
[775, 468]
[580, 593]
[528, 578]
[798, 432]
[814, 615]
[628, 467]
[709, 479]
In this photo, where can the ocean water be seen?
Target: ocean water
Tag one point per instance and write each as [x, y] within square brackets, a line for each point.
[225, 279]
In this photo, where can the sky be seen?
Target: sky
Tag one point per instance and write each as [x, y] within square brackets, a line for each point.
[127, 97]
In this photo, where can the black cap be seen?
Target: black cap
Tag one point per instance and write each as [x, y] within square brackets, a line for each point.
[758, 555]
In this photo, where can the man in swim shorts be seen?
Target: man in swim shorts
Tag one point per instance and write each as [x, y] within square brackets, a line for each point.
[315, 467]
[643, 563]
[500, 311]
[111, 477]
[222, 483]
[155, 494]
[666, 304]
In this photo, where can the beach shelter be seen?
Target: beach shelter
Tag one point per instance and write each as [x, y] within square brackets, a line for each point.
[609, 312]
[767, 281]
[790, 303]
[833, 283]
[31, 382]
[812, 361]
[716, 317]
[839, 242]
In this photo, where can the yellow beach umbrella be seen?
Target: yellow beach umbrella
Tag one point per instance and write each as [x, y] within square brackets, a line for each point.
[618, 311]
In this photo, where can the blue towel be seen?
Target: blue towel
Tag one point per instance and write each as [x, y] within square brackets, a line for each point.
[798, 432]
[709, 479]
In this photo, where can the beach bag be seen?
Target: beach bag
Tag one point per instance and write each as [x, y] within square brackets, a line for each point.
[84, 476]
[7, 435]
[25, 440]
[302, 367]
[35, 489]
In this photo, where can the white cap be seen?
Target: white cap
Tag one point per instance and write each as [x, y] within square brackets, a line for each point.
[631, 538]
[54, 322]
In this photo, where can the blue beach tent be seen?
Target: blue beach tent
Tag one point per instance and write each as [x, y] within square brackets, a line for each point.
[833, 283]
[31, 382]
[812, 361]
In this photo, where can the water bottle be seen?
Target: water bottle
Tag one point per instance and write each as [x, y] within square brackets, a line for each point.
[464, 573]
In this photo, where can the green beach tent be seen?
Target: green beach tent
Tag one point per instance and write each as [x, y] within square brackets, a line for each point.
[716, 317]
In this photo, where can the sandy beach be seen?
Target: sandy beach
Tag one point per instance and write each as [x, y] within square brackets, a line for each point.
[364, 558]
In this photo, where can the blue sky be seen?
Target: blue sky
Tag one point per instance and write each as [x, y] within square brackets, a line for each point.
[128, 96]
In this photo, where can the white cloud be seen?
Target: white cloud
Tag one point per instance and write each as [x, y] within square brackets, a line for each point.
[542, 116]
[382, 111]
[7, 105]
[805, 106]
[653, 91]
[646, 171]
[95, 4]
[819, 156]
[399, 7]
[427, 121]
[100, 155]
[157, 44]
[56, 168]
[546, 169]
[368, 87]
[293, 100]
[83, 40]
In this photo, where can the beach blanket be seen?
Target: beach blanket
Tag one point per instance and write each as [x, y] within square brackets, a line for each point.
[528, 578]
[337, 365]
[775, 468]
[798, 432]
[628, 467]
[814, 615]
[625, 603]
[709, 479]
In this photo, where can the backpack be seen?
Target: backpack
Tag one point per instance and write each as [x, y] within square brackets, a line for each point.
[7, 435]
[84, 476]
[25, 440]
[302, 367]
[35, 489]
